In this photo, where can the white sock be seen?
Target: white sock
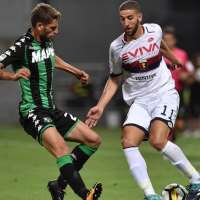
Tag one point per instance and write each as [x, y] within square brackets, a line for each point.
[138, 169]
[177, 158]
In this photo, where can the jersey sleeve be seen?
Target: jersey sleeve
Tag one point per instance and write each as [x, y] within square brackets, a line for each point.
[14, 54]
[115, 63]
[155, 28]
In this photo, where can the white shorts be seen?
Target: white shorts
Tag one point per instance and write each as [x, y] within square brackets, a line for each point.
[143, 112]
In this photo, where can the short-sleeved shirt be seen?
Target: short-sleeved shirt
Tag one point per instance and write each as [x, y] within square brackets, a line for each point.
[142, 59]
[39, 58]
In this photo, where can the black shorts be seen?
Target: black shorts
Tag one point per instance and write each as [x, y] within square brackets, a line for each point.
[39, 119]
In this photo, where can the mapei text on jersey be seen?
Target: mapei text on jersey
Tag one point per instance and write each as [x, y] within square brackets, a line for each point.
[40, 55]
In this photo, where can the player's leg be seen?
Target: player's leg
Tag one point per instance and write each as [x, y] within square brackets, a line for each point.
[158, 139]
[134, 129]
[74, 130]
[34, 124]
[40, 125]
[164, 119]
[89, 143]
[171, 135]
[55, 144]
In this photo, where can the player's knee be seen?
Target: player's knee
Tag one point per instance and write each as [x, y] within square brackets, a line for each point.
[126, 143]
[157, 144]
[60, 150]
[94, 140]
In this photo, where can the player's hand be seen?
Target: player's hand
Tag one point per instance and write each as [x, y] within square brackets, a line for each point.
[93, 116]
[84, 77]
[22, 73]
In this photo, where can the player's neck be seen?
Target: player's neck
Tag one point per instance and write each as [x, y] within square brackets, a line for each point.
[139, 33]
[36, 35]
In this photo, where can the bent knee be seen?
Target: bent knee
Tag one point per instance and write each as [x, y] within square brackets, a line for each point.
[59, 150]
[97, 140]
[126, 143]
[157, 144]
[94, 141]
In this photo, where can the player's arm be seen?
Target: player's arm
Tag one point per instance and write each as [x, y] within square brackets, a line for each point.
[12, 55]
[169, 55]
[110, 89]
[13, 76]
[4, 75]
[21, 73]
[80, 74]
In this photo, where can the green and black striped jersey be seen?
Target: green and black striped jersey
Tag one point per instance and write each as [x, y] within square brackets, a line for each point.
[39, 58]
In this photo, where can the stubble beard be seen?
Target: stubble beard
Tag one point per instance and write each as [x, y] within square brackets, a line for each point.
[43, 37]
[132, 33]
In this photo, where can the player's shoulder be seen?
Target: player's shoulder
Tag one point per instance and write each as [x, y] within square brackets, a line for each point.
[17, 48]
[152, 27]
[24, 39]
[117, 43]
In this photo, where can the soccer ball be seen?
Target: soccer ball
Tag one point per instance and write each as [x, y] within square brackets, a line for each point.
[174, 191]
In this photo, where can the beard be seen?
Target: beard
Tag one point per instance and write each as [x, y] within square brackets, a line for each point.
[43, 37]
[132, 32]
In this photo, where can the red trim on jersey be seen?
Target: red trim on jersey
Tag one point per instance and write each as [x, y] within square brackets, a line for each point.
[155, 59]
[143, 66]
[149, 61]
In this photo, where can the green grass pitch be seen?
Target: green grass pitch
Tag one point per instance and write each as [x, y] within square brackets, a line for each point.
[25, 167]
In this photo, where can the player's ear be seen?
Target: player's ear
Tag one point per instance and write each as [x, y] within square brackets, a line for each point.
[40, 26]
[140, 16]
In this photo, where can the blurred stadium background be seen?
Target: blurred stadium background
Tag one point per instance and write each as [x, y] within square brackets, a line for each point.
[86, 30]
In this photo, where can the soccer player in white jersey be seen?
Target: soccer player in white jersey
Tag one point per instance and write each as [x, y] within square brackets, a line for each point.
[149, 90]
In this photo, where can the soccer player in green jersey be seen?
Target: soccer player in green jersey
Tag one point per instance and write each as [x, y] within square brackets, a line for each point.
[34, 61]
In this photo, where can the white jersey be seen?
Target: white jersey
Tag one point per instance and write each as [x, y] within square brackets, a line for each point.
[147, 74]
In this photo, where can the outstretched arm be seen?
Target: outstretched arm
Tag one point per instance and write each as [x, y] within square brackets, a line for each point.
[80, 74]
[169, 55]
[110, 89]
[96, 112]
